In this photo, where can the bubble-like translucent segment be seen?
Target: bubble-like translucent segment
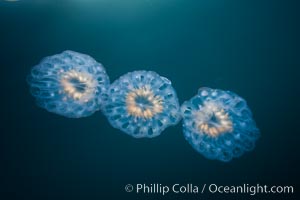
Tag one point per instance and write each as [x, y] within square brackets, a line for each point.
[219, 124]
[142, 104]
[70, 84]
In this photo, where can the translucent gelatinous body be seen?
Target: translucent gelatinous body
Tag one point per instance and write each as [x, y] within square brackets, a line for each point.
[142, 104]
[70, 84]
[218, 124]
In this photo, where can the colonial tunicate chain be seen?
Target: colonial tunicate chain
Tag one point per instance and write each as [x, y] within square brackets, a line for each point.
[218, 124]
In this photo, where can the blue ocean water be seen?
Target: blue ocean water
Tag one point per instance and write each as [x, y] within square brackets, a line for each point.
[248, 47]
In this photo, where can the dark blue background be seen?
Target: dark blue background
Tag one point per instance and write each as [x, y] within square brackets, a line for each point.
[250, 47]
